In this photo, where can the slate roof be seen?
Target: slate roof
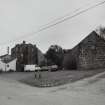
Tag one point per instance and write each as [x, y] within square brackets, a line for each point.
[6, 58]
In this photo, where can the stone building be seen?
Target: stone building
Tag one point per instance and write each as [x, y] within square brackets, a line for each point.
[88, 54]
[26, 54]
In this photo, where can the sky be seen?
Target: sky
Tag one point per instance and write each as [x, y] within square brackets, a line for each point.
[22, 17]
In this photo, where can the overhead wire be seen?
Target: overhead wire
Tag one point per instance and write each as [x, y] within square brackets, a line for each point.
[63, 19]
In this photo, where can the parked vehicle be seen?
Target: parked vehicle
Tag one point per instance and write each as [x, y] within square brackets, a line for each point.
[54, 67]
[50, 68]
[37, 68]
[29, 68]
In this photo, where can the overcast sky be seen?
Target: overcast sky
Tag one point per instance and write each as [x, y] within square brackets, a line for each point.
[21, 17]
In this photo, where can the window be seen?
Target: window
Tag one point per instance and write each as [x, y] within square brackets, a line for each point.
[7, 65]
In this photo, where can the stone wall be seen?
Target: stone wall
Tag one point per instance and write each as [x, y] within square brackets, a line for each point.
[88, 54]
[92, 52]
[26, 54]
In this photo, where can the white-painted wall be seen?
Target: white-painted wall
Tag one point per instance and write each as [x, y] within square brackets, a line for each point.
[11, 65]
[2, 66]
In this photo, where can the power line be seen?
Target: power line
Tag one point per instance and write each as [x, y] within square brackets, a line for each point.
[68, 18]
[68, 14]
[60, 21]
[75, 10]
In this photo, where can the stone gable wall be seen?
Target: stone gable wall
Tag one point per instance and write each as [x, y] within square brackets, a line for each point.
[92, 53]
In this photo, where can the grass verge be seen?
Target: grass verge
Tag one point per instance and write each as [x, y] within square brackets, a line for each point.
[50, 79]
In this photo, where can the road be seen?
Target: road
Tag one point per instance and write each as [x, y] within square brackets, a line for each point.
[90, 91]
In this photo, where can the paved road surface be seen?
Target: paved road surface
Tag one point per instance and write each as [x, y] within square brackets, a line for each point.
[90, 91]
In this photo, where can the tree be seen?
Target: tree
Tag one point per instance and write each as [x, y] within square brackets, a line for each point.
[55, 55]
[101, 31]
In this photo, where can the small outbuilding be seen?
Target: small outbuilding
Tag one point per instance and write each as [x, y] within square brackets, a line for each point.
[7, 63]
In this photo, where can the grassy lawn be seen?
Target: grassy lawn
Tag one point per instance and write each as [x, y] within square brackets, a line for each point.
[50, 79]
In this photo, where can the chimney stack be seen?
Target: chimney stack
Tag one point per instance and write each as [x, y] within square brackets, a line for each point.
[8, 50]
